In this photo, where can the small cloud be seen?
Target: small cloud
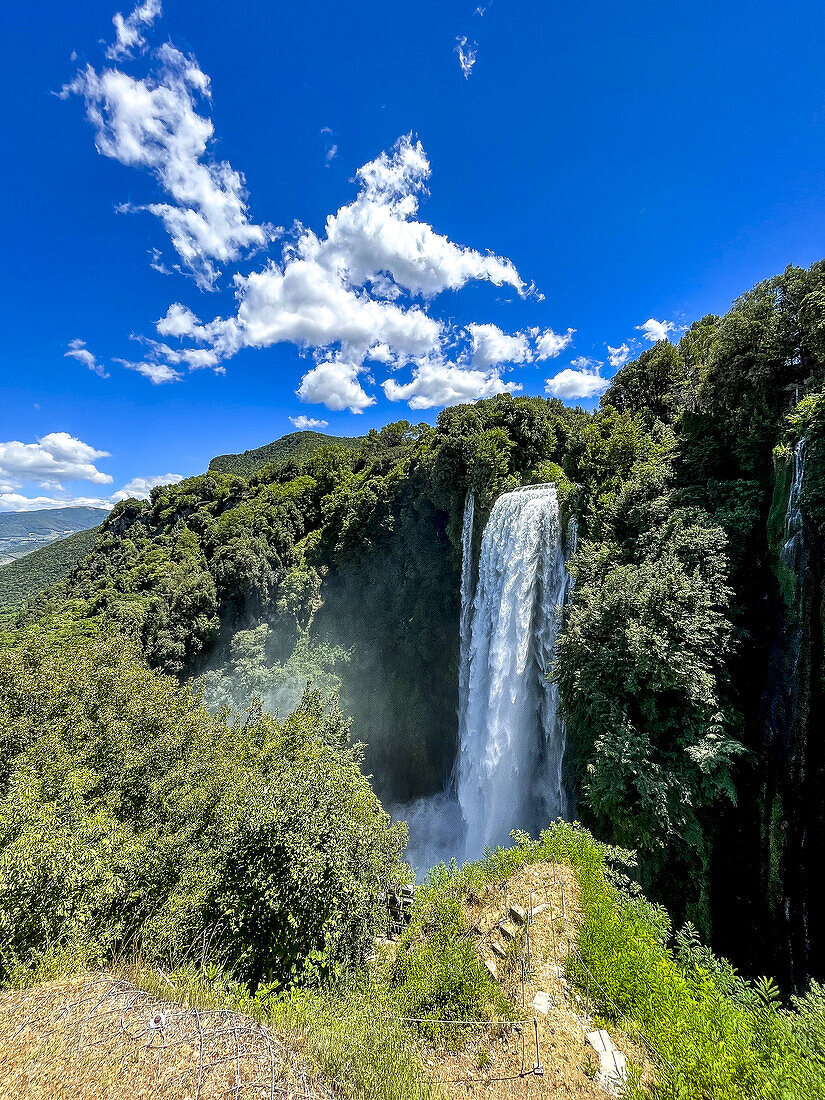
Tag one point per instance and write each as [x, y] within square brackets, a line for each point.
[549, 344]
[467, 52]
[127, 30]
[482, 9]
[140, 487]
[79, 351]
[331, 154]
[334, 383]
[157, 373]
[307, 423]
[582, 379]
[617, 357]
[654, 331]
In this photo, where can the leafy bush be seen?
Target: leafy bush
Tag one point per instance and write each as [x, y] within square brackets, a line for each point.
[130, 816]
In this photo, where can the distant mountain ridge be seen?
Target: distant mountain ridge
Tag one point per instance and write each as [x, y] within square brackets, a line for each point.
[34, 572]
[296, 445]
[23, 532]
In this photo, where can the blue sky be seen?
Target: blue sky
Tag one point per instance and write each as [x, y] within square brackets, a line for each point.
[598, 166]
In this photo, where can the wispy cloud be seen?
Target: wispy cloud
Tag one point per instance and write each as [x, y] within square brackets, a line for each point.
[467, 54]
[79, 351]
[156, 372]
[128, 33]
[549, 344]
[355, 296]
[617, 357]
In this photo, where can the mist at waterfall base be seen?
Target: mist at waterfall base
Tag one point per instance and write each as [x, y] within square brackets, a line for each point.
[509, 772]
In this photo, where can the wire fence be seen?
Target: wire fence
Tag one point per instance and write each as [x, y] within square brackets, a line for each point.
[220, 1053]
[197, 1052]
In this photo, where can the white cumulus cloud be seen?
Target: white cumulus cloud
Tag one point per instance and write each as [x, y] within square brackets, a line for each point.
[654, 331]
[307, 423]
[435, 384]
[15, 502]
[52, 459]
[549, 344]
[582, 379]
[153, 123]
[334, 383]
[491, 346]
[79, 351]
[359, 292]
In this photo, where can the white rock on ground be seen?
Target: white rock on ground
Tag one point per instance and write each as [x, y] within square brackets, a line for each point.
[612, 1063]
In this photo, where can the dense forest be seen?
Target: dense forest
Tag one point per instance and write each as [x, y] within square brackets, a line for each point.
[690, 658]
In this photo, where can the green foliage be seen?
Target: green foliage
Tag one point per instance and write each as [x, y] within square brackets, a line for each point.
[714, 1034]
[437, 973]
[130, 815]
[640, 664]
[651, 384]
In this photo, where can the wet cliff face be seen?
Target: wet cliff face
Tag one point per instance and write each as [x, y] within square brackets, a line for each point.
[793, 756]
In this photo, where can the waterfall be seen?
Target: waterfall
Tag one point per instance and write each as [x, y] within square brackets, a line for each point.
[793, 545]
[511, 739]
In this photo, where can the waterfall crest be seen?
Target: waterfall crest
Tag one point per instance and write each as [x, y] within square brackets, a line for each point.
[511, 738]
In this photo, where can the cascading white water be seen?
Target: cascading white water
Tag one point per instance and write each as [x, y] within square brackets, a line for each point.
[511, 738]
[792, 546]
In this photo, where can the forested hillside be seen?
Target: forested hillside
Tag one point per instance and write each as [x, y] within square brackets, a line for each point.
[690, 659]
[296, 445]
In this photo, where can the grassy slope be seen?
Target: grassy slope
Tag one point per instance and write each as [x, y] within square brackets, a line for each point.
[296, 445]
[25, 577]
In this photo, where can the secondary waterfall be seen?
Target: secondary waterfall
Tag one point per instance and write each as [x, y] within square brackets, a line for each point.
[511, 738]
[792, 548]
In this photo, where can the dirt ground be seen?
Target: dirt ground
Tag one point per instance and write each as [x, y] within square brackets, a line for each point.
[100, 1038]
[501, 1063]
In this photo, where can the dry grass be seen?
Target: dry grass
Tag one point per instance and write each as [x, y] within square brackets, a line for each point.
[568, 1064]
[100, 1038]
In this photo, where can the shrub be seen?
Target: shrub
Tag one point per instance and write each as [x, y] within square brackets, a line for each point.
[130, 816]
